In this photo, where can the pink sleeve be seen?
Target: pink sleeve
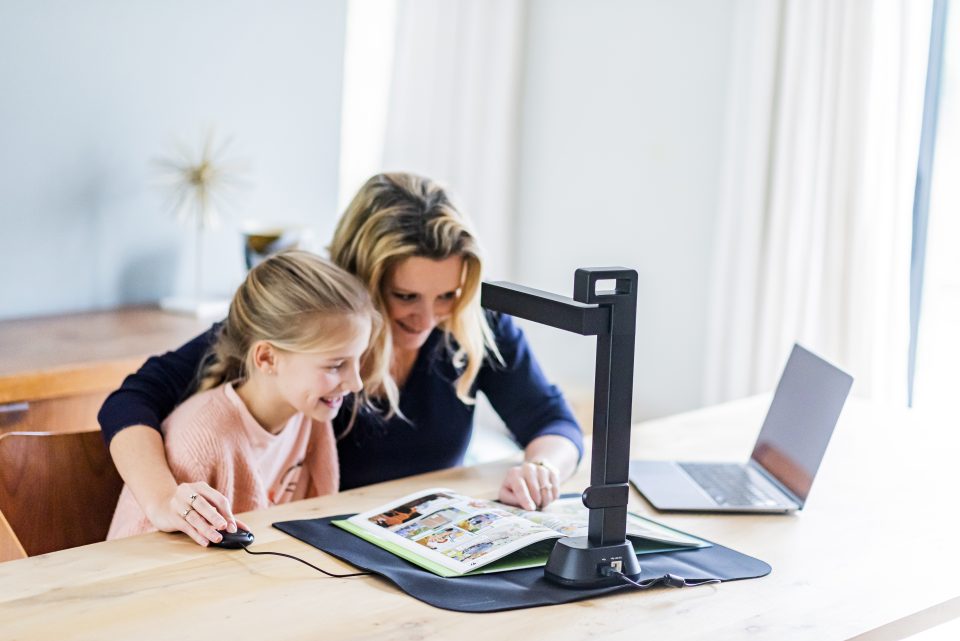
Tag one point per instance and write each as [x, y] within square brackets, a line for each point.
[196, 444]
[322, 463]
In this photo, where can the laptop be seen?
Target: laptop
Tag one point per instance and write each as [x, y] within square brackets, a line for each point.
[785, 458]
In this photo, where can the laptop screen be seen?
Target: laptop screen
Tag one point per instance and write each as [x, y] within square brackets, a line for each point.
[804, 411]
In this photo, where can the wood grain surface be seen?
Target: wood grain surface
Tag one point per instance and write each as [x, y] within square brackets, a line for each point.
[874, 549]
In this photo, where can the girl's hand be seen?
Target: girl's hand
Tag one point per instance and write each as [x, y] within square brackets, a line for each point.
[530, 485]
[197, 510]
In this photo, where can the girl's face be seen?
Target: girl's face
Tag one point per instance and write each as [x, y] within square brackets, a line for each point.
[419, 294]
[315, 383]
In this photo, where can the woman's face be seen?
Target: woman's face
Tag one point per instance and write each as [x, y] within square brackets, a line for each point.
[420, 293]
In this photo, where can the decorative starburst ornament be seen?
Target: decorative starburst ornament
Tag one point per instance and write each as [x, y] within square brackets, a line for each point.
[201, 183]
[200, 186]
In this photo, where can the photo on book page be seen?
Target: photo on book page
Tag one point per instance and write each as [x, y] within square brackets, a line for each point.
[451, 534]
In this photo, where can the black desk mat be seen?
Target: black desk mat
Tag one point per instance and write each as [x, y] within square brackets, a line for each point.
[517, 588]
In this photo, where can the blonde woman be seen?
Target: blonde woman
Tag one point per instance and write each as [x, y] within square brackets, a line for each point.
[259, 431]
[421, 264]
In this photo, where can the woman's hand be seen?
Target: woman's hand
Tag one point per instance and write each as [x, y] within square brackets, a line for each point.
[197, 510]
[530, 485]
[138, 454]
[535, 484]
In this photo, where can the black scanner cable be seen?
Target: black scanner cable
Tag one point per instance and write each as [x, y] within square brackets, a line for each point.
[290, 556]
[669, 580]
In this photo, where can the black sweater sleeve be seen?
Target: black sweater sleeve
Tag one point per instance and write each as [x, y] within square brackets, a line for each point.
[148, 396]
[519, 391]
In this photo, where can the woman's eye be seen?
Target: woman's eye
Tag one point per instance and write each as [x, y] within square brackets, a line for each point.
[405, 297]
[335, 368]
[448, 296]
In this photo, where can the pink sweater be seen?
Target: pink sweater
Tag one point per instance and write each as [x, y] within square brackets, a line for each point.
[212, 437]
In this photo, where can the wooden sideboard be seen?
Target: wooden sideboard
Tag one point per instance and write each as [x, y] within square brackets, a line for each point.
[55, 371]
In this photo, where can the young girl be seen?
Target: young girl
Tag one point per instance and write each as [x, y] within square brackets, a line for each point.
[259, 430]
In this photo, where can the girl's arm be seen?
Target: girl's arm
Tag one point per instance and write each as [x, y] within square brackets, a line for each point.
[322, 467]
[130, 420]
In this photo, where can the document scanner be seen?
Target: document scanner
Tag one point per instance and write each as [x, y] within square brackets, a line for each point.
[597, 559]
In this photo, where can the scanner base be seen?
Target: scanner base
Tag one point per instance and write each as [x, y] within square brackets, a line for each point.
[574, 563]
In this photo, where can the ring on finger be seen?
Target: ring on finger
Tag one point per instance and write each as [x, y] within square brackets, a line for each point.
[545, 465]
[186, 512]
[193, 497]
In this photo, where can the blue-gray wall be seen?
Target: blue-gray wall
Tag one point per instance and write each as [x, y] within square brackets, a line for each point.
[92, 91]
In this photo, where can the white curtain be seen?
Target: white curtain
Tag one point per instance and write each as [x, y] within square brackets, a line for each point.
[454, 106]
[815, 210]
[367, 70]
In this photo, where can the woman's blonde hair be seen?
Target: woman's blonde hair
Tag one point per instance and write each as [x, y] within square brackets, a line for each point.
[298, 302]
[398, 215]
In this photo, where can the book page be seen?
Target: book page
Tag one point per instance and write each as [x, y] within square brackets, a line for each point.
[455, 532]
[569, 517]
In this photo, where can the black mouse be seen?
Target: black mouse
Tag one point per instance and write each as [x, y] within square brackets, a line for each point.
[234, 540]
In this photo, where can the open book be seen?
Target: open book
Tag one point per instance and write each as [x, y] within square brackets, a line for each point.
[455, 535]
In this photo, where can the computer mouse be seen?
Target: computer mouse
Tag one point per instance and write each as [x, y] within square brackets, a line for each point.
[234, 540]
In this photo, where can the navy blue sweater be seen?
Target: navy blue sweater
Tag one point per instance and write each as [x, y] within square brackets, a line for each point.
[438, 425]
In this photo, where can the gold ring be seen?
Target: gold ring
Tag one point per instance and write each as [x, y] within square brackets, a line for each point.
[187, 511]
[545, 465]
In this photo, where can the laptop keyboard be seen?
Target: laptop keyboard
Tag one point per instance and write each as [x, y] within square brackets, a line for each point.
[729, 484]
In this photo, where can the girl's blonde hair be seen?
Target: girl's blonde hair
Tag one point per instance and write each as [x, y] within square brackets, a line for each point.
[398, 215]
[298, 302]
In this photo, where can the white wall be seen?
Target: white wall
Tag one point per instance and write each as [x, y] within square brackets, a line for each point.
[91, 91]
[620, 150]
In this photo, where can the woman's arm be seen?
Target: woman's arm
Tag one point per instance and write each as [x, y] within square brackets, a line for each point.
[536, 414]
[130, 420]
[150, 395]
[139, 456]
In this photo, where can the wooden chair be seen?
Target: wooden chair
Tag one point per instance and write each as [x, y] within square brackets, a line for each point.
[10, 547]
[57, 490]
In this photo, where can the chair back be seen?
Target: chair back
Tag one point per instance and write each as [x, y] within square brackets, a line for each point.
[10, 547]
[57, 490]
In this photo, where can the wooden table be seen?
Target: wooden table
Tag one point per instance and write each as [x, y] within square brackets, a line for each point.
[55, 371]
[873, 554]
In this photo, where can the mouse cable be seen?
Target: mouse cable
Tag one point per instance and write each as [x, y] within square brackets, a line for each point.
[290, 556]
[671, 580]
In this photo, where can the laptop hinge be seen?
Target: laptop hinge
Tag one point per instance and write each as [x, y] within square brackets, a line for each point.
[776, 482]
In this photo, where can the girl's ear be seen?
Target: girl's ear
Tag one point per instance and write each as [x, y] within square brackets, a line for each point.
[264, 357]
